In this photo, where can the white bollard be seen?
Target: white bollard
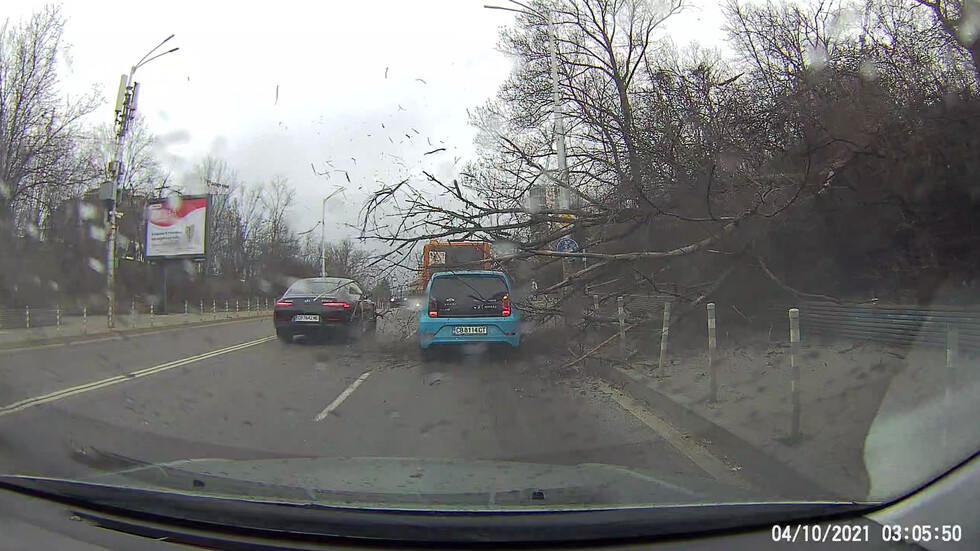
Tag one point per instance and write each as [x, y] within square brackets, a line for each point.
[952, 350]
[202, 310]
[214, 309]
[226, 309]
[186, 320]
[794, 353]
[151, 315]
[27, 316]
[57, 318]
[132, 314]
[712, 344]
[85, 320]
[236, 307]
[663, 339]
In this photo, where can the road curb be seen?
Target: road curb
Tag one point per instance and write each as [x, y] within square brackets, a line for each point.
[758, 466]
[116, 334]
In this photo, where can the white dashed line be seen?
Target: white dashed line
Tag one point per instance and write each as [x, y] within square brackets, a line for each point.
[343, 396]
[96, 385]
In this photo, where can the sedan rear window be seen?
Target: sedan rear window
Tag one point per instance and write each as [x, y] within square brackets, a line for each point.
[315, 287]
[468, 295]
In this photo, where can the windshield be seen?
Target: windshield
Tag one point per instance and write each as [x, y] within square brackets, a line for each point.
[536, 254]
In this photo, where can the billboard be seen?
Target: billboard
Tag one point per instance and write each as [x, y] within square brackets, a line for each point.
[176, 227]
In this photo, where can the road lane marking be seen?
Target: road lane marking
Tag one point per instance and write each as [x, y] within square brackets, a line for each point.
[343, 396]
[103, 383]
[715, 467]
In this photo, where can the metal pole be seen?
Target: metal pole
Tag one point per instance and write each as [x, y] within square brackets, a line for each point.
[562, 180]
[214, 310]
[132, 313]
[226, 309]
[563, 192]
[124, 114]
[236, 307]
[794, 351]
[85, 320]
[186, 320]
[621, 312]
[712, 344]
[202, 309]
[663, 339]
[163, 266]
[323, 238]
[151, 314]
[58, 318]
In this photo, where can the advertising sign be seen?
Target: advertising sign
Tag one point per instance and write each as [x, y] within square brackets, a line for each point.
[176, 227]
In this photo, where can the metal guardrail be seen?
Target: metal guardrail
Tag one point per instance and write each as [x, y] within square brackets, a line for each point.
[893, 324]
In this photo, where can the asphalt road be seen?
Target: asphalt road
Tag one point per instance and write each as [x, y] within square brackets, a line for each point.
[233, 391]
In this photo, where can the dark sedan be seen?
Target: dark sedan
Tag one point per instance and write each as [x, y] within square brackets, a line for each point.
[321, 306]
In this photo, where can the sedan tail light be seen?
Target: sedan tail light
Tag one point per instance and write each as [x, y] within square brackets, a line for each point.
[505, 306]
[336, 304]
[284, 303]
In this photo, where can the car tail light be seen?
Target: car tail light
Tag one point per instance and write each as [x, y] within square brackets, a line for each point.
[337, 304]
[284, 303]
[433, 309]
[505, 306]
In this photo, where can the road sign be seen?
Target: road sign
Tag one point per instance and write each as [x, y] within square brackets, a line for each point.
[566, 245]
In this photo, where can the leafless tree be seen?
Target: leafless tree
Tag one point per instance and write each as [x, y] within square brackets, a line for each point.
[39, 128]
[143, 171]
[961, 20]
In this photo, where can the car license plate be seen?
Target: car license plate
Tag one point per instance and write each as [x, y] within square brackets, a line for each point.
[470, 330]
[306, 317]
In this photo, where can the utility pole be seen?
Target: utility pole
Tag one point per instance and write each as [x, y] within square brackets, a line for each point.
[126, 100]
[323, 232]
[564, 194]
[323, 239]
[125, 112]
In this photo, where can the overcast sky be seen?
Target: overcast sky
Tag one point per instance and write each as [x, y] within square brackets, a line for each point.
[328, 61]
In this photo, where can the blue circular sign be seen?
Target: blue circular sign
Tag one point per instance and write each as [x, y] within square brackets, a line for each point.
[566, 245]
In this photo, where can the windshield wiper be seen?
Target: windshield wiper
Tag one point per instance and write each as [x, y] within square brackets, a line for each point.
[479, 294]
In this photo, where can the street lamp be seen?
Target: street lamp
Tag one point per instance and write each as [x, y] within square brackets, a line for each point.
[323, 232]
[564, 194]
[126, 101]
[564, 190]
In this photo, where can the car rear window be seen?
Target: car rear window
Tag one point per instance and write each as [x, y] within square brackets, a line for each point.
[314, 287]
[468, 295]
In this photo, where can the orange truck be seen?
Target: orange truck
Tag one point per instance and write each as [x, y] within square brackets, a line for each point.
[441, 256]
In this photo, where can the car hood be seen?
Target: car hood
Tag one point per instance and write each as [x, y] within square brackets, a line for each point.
[408, 482]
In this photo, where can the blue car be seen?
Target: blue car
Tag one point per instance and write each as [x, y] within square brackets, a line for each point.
[468, 307]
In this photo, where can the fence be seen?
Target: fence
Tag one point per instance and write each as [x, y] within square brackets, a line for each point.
[133, 315]
[893, 324]
[954, 328]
